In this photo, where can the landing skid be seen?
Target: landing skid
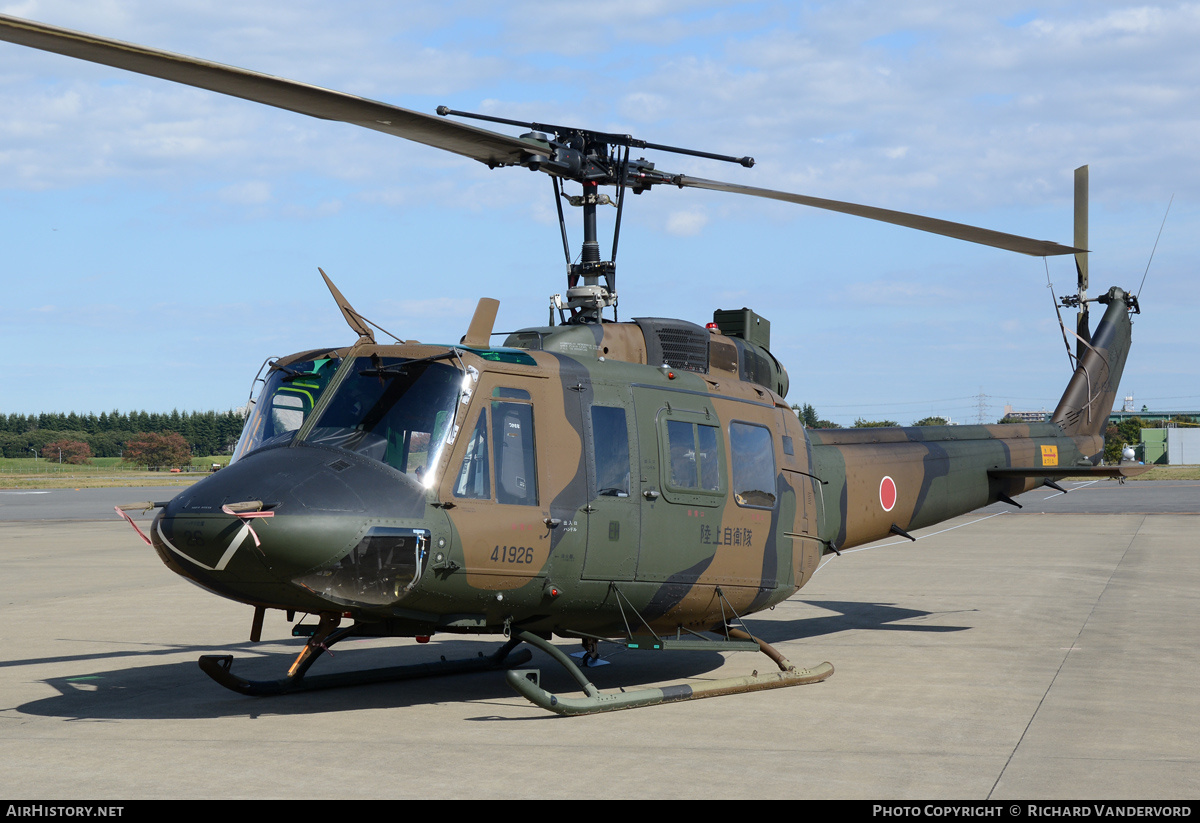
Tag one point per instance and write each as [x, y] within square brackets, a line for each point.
[218, 666]
[527, 681]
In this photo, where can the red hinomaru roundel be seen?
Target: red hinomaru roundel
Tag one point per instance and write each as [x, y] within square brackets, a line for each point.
[887, 493]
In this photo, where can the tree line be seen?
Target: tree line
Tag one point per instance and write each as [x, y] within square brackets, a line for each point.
[1116, 434]
[811, 420]
[208, 432]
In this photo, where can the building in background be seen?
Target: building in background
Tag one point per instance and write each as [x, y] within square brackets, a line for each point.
[1183, 445]
[1025, 416]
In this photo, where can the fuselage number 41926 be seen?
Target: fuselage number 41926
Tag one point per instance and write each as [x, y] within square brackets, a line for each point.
[512, 554]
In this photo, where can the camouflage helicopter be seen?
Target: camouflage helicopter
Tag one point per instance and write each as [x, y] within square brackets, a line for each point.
[640, 482]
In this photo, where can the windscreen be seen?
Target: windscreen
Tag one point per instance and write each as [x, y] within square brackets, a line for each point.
[393, 410]
[287, 399]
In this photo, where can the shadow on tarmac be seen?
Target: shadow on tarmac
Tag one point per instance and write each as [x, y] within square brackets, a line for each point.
[179, 690]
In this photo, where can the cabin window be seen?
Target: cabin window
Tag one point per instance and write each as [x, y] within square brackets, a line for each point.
[610, 451]
[753, 461]
[694, 456]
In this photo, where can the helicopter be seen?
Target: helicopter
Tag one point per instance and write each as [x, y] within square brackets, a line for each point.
[639, 482]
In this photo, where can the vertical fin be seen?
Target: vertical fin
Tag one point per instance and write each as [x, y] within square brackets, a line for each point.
[1088, 400]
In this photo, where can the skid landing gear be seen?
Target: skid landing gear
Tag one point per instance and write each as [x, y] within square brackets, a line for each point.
[526, 681]
[327, 633]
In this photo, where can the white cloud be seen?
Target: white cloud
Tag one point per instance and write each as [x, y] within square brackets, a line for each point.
[686, 223]
[961, 111]
[249, 193]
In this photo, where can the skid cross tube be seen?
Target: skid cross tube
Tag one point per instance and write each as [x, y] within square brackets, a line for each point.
[527, 682]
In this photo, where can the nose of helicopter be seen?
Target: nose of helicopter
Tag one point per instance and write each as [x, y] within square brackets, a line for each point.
[303, 509]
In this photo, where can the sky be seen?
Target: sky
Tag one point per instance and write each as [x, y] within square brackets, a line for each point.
[160, 242]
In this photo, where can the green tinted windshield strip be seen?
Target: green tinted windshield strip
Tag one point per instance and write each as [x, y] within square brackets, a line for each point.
[517, 356]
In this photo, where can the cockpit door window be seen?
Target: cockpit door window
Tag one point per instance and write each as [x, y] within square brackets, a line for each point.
[512, 447]
[516, 460]
[474, 477]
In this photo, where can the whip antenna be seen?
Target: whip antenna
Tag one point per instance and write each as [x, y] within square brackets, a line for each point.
[1156, 239]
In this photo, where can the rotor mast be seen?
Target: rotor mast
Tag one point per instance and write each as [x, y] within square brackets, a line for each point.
[587, 302]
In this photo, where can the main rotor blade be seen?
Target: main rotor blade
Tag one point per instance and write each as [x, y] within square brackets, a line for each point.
[960, 231]
[486, 146]
[489, 147]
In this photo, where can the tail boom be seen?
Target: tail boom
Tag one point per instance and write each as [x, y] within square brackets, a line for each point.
[881, 481]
